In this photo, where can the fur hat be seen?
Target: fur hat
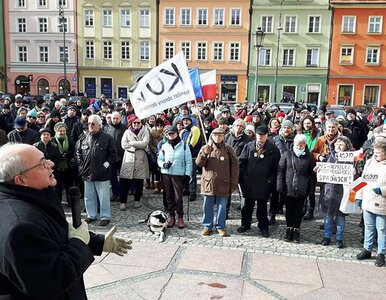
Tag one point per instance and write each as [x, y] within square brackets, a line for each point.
[59, 125]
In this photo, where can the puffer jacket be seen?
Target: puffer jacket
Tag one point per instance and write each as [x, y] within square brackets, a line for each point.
[220, 170]
[284, 144]
[374, 174]
[135, 164]
[179, 156]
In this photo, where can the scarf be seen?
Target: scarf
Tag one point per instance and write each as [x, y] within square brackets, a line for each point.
[274, 130]
[63, 149]
[175, 141]
[135, 130]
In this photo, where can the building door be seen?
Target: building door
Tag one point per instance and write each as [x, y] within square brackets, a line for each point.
[22, 85]
[313, 98]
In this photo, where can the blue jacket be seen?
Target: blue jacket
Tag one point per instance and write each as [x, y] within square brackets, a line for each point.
[179, 156]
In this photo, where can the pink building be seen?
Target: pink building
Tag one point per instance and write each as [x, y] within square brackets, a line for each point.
[36, 46]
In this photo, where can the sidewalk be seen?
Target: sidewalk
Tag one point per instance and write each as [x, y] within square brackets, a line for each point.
[242, 266]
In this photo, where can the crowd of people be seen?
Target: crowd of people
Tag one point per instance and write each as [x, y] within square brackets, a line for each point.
[269, 156]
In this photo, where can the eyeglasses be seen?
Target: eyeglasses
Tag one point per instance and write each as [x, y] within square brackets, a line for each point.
[31, 117]
[41, 117]
[318, 123]
[136, 123]
[43, 162]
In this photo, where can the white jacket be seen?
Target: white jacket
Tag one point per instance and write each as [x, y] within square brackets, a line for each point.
[374, 174]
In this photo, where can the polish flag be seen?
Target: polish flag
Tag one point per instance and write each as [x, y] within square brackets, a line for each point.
[208, 84]
[358, 184]
[358, 155]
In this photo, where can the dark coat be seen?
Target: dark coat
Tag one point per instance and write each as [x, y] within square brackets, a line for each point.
[282, 143]
[77, 131]
[116, 132]
[37, 260]
[50, 151]
[304, 165]
[92, 151]
[220, 170]
[258, 174]
[358, 134]
[70, 122]
[29, 136]
[237, 143]
[70, 155]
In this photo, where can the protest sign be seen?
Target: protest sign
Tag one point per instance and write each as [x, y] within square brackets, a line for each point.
[335, 173]
[164, 86]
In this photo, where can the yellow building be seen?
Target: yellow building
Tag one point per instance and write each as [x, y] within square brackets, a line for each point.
[117, 45]
[213, 35]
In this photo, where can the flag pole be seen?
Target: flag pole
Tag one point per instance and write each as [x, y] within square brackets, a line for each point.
[200, 119]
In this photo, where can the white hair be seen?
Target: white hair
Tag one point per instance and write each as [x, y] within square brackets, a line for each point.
[96, 118]
[11, 162]
[300, 138]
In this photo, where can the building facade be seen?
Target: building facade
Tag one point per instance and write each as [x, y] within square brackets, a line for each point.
[40, 46]
[3, 87]
[294, 57]
[358, 53]
[117, 45]
[213, 35]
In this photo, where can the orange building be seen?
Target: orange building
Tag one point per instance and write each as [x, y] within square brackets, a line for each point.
[213, 35]
[358, 53]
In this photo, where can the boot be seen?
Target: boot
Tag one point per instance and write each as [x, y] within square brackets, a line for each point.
[296, 237]
[147, 184]
[152, 186]
[181, 223]
[289, 234]
[171, 222]
[309, 216]
[158, 187]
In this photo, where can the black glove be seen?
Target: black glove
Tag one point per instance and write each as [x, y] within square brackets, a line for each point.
[167, 165]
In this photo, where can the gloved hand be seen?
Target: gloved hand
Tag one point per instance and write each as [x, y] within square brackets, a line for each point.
[79, 233]
[207, 149]
[167, 165]
[377, 190]
[114, 244]
[358, 202]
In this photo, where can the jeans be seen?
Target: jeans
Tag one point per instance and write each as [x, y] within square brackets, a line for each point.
[95, 191]
[221, 203]
[329, 224]
[373, 223]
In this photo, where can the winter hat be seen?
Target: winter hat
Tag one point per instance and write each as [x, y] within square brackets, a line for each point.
[59, 125]
[32, 113]
[20, 122]
[44, 130]
[250, 128]
[222, 121]
[287, 123]
[262, 129]
[54, 114]
[280, 114]
[351, 111]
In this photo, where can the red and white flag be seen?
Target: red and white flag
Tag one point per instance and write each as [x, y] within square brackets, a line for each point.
[358, 184]
[208, 84]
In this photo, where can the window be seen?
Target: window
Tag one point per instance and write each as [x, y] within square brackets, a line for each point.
[107, 50]
[314, 24]
[289, 92]
[263, 93]
[348, 24]
[345, 93]
[89, 50]
[61, 22]
[89, 17]
[375, 24]
[371, 95]
[202, 16]
[43, 54]
[346, 55]
[62, 2]
[372, 55]
[290, 24]
[63, 54]
[288, 57]
[125, 50]
[43, 26]
[20, 3]
[218, 17]
[144, 17]
[312, 57]
[186, 17]
[22, 53]
[42, 3]
[107, 17]
[265, 56]
[234, 52]
[235, 16]
[144, 50]
[125, 17]
[169, 16]
[267, 24]
[201, 51]
[185, 47]
[218, 51]
[22, 25]
[169, 50]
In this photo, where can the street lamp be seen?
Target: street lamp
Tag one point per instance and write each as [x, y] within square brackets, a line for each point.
[62, 25]
[259, 36]
[279, 29]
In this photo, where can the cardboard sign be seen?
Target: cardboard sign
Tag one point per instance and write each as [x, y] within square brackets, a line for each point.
[335, 173]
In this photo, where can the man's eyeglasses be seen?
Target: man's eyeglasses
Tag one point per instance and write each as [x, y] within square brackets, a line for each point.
[43, 162]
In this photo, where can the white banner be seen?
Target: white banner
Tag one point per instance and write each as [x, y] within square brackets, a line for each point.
[346, 156]
[335, 173]
[165, 86]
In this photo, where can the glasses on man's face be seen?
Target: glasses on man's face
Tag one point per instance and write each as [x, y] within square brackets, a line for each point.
[43, 163]
[318, 123]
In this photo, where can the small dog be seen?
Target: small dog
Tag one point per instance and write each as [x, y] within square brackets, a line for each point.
[157, 222]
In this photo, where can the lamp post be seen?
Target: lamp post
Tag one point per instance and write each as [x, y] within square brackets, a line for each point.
[279, 29]
[259, 35]
[63, 26]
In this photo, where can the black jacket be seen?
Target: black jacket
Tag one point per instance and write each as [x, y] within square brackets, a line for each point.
[70, 122]
[282, 143]
[289, 164]
[29, 136]
[50, 151]
[116, 132]
[237, 143]
[92, 151]
[37, 260]
[77, 131]
[358, 134]
[258, 172]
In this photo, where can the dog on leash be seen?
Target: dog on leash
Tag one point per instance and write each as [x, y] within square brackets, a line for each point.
[157, 222]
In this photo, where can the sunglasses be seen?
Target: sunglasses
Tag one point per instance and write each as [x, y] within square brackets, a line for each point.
[31, 117]
[136, 123]
[318, 123]
[41, 117]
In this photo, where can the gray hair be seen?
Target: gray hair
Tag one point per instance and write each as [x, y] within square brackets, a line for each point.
[380, 142]
[333, 122]
[11, 164]
[116, 113]
[96, 118]
[300, 138]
